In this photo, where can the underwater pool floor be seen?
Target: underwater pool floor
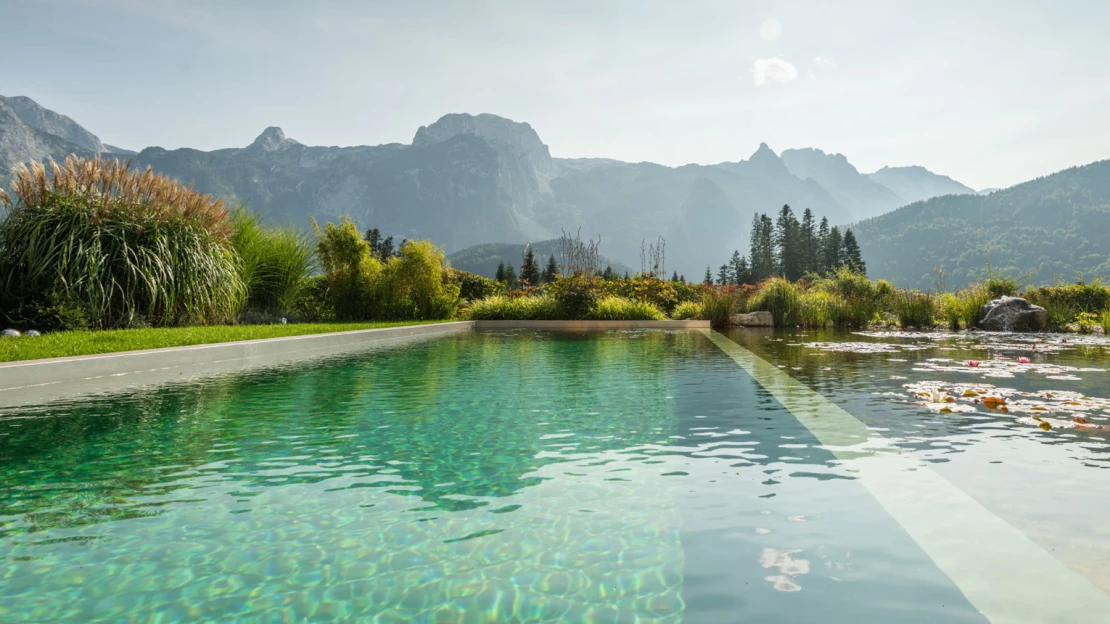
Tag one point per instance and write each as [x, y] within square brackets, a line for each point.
[642, 475]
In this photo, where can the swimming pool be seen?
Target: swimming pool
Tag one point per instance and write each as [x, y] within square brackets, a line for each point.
[543, 476]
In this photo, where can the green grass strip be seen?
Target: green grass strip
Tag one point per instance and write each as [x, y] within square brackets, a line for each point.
[64, 344]
[1002, 572]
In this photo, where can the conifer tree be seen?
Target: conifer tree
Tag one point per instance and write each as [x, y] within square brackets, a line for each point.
[787, 242]
[852, 256]
[742, 272]
[808, 237]
[674, 278]
[510, 277]
[551, 272]
[608, 274]
[529, 268]
[834, 250]
[734, 270]
[822, 246]
[723, 277]
[500, 275]
[708, 276]
[762, 262]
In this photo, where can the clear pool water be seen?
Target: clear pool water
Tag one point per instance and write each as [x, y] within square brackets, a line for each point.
[531, 476]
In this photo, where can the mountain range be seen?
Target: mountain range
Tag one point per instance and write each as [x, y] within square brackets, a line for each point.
[469, 180]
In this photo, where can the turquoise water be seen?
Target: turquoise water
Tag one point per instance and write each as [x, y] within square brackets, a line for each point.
[515, 476]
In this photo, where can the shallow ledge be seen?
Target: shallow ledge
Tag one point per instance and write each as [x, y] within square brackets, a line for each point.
[35, 381]
[591, 325]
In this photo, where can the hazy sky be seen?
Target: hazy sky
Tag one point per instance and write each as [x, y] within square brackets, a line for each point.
[989, 92]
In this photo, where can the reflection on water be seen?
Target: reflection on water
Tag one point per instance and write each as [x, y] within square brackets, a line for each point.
[1050, 483]
[495, 476]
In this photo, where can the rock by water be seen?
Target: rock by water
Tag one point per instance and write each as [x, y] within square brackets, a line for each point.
[754, 319]
[1012, 314]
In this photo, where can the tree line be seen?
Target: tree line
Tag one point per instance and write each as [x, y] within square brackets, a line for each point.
[789, 248]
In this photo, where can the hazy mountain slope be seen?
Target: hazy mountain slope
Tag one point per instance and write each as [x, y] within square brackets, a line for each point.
[1053, 226]
[483, 259]
[20, 143]
[31, 113]
[915, 184]
[861, 196]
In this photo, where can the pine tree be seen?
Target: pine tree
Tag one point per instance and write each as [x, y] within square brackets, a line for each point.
[626, 275]
[500, 275]
[723, 277]
[762, 262]
[674, 278]
[808, 236]
[608, 274]
[510, 277]
[822, 243]
[529, 268]
[682, 278]
[834, 250]
[743, 272]
[734, 271]
[551, 271]
[708, 276]
[787, 244]
[852, 255]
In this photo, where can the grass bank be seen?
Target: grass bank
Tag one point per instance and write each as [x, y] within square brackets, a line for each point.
[69, 343]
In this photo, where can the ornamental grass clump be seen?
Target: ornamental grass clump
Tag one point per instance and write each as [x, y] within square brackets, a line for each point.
[502, 308]
[687, 310]
[274, 263]
[623, 309]
[95, 244]
[719, 303]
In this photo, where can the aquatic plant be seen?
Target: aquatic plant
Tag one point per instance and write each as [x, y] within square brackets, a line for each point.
[719, 303]
[1105, 321]
[96, 244]
[815, 308]
[950, 308]
[914, 308]
[1086, 322]
[779, 297]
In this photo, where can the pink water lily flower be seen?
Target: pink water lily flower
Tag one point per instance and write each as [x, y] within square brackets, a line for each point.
[973, 363]
[1023, 360]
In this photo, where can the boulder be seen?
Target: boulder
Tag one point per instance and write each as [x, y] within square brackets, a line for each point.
[1012, 314]
[10, 333]
[754, 319]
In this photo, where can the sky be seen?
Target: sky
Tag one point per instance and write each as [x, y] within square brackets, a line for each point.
[990, 92]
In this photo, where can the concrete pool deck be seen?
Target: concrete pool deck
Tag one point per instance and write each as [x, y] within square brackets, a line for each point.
[28, 382]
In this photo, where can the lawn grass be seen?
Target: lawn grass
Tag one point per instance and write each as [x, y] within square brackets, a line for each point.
[69, 343]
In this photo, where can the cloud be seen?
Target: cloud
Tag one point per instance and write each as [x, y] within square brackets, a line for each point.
[773, 69]
[824, 61]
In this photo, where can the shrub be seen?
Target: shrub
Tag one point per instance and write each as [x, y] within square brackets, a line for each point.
[362, 287]
[914, 308]
[96, 244]
[612, 308]
[577, 296]
[502, 308]
[849, 284]
[274, 263]
[687, 310]
[1066, 301]
[780, 298]
[1105, 321]
[1086, 322]
[473, 286]
[718, 304]
[314, 304]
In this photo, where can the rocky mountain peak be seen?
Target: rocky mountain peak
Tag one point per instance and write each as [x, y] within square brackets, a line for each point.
[518, 139]
[767, 161]
[272, 139]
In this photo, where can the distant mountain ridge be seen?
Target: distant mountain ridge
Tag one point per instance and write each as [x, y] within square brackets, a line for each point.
[1049, 228]
[467, 180]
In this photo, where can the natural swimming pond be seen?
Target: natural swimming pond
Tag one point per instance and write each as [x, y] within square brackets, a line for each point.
[599, 477]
